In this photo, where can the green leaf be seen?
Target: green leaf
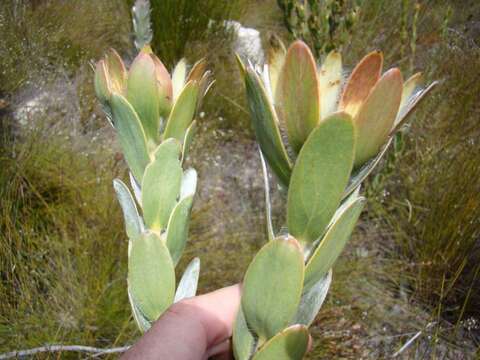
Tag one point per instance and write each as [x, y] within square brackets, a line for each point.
[151, 275]
[187, 287]
[131, 135]
[376, 116]
[142, 322]
[243, 340]
[182, 113]
[290, 344]
[187, 141]
[312, 301]
[161, 185]
[268, 205]
[177, 229]
[272, 287]
[408, 108]
[361, 82]
[133, 221]
[319, 178]
[361, 174]
[265, 125]
[332, 244]
[137, 192]
[142, 93]
[297, 95]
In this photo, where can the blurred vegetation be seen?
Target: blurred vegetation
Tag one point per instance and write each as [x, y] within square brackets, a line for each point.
[62, 276]
[181, 24]
[433, 197]
[40, 37]
[324, 25]
[412, 261]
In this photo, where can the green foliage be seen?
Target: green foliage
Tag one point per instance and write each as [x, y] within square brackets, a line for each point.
[161, 185]
[334, 241]
[265, 124]
[130, 135]
[290, 344]
[187, 286]
[312, 300]
[133, 222]
[272, 288]
[319, 178]
[177, 230]
[297, 96]
[182, 112]
[151, 275]
[327, 144]
[164, 192]
[143, 94]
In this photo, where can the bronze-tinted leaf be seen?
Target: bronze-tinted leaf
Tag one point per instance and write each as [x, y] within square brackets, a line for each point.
[377, 115]
[361, 82]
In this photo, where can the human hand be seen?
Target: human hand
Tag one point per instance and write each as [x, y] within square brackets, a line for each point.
[192, 329]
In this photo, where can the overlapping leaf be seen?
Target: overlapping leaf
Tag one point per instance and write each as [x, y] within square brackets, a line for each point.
[182, 112]
[312, 300]
[272, 287]
[297, 97]
[151, 275]
[266, 129]
[376, 116]
[334, 241]
[319, 178]
[187, 287]
[131, 135]
[161, 185]
[290, 344]
[133, 221]
[361, 82]
[142, 93]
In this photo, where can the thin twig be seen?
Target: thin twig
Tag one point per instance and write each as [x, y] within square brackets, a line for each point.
[412, 339]
[59, 348]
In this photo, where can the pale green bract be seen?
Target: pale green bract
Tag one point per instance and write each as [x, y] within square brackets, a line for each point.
[272, 287]
[151, 275]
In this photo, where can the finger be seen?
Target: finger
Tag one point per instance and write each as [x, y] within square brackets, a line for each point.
[217, 311]
[220, 351]
[189, 328]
